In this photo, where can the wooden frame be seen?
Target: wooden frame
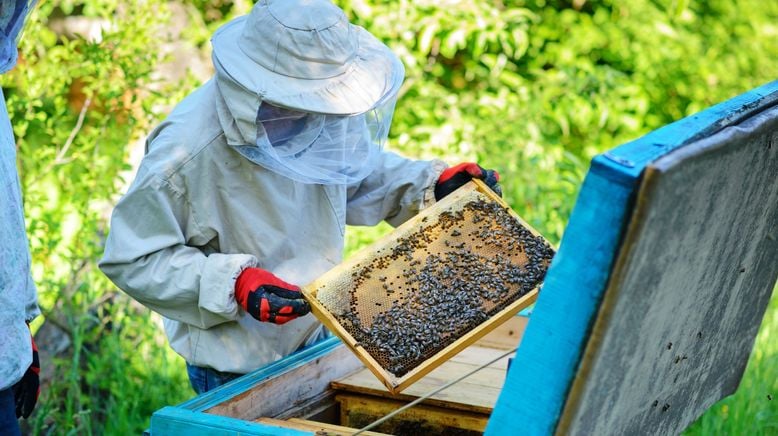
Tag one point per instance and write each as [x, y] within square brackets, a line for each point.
[393, 383]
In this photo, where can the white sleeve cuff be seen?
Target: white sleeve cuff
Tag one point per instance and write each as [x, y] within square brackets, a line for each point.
[437, 168]
[217, 284]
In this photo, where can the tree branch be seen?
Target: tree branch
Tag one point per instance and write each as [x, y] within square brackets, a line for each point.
[60, 159]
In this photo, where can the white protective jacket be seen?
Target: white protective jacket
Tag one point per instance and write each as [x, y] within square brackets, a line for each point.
[198, 213]
[18, 299]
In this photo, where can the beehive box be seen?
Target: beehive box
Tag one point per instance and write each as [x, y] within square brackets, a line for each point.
[433, 286]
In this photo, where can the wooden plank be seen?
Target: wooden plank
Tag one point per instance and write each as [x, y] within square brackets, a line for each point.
[289, 388]
[473, 397]
[358, 411]
[319, 405]
[540, 377]
[491, 377]
[506, 335]
[477, 393]
[241, 385]
[475, 355]
[487, 377]
[689, 290]
[318, 428]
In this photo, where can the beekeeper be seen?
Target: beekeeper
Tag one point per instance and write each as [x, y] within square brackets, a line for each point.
[19, 368]
[246, 188]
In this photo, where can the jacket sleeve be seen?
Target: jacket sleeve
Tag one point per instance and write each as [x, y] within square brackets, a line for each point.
[147, 255]
[31, 309]
[396, 191]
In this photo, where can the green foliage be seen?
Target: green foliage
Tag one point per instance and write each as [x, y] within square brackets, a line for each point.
[77, 103]
[535, 89]
[532, 88]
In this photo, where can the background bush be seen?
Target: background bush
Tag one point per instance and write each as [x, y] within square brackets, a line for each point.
[531, 88]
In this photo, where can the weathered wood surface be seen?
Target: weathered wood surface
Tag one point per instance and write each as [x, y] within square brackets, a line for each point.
[505, 336]
[541, 376]
[476, 393]
[290, 388]
[358, 411]
[689, 290]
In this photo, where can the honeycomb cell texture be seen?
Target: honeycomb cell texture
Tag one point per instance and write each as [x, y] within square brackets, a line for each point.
[437, 281]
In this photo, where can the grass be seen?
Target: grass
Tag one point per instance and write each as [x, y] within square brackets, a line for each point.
[753, 409]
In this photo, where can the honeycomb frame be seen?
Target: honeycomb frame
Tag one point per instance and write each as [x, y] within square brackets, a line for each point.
[397, 303]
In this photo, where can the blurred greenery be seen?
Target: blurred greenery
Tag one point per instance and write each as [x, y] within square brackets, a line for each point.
[531, 88]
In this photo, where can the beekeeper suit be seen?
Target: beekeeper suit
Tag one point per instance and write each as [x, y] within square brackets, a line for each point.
[19, 383]
[249, 183]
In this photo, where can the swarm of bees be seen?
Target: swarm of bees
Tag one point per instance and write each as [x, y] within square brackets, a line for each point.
[452, 273]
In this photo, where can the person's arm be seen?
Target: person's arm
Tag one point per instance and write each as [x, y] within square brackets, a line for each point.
[399, 188]
[147, 256]
[396, 191]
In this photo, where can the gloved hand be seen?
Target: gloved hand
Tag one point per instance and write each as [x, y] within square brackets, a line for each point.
[27, 389]
[268, 298]
[456, 176]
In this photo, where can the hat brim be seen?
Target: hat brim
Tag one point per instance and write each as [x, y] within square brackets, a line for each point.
[375, 73]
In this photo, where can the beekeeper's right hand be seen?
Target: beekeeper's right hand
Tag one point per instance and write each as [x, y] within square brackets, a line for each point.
[268, 298]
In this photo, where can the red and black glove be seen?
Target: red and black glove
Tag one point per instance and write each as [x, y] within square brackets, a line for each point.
[456, 176]
[27, 389]
[268, 298]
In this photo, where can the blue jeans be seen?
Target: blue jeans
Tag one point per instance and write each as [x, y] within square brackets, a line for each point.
[204, 379]
[9, 425]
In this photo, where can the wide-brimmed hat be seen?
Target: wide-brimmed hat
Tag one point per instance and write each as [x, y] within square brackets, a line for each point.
[305, 55]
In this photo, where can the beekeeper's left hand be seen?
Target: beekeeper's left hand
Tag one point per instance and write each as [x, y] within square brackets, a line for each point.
[268, 298]
[456, 176]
